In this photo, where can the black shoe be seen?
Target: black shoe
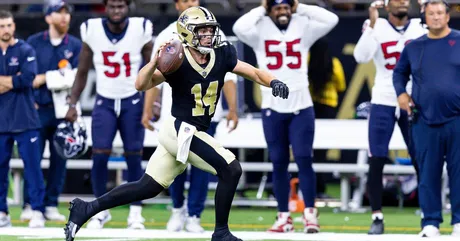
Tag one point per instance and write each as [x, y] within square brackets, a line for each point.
[377, 227]
[80, 212]
[226, 237]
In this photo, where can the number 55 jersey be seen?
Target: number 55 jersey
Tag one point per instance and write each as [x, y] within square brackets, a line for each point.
[284, 52]
[384, 44]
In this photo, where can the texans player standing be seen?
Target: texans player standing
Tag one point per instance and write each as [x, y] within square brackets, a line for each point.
[281, 33]
[383, 41]
[116, 45]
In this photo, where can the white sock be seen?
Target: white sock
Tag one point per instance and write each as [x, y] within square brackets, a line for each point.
[135, 209]
[377, 216]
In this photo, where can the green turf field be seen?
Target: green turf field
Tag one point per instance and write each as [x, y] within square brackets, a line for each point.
[397, 221]
[249, 219]
[260, 219]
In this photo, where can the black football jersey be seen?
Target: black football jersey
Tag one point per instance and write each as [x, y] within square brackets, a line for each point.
[196, 88]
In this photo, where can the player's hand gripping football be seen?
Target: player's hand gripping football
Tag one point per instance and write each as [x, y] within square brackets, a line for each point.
[279, 89]
[374, 11]
[158, 53]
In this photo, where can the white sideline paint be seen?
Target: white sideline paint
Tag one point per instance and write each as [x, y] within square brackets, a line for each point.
[126, 234]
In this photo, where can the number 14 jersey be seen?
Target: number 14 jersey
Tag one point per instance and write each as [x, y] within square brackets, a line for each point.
[384, 44]
[196, 87]
[116, 57]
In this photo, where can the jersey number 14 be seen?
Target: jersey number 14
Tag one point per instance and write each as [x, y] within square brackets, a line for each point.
[209, 99]
[115, 65]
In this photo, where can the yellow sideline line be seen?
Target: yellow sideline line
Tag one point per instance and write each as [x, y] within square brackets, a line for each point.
[258, 226]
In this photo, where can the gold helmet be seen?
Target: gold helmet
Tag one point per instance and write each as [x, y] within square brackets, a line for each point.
[190, 21]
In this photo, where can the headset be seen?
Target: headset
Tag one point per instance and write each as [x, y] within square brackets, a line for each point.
[426, 2]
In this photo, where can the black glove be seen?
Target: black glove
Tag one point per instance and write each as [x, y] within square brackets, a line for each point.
[279, 89]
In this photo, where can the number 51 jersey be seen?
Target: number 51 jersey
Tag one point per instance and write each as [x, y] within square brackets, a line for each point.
[196, 88]
[116, 57]
[384, 44]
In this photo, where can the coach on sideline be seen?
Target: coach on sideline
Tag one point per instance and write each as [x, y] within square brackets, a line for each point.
[433, 60]
[19, 119]
[57, 57]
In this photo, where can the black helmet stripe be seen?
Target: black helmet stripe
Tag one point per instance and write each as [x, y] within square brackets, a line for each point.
[207, 14]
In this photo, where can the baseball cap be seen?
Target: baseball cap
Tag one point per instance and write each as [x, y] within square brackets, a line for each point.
[56, 7]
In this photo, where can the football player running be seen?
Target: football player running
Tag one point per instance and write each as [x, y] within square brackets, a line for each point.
[196, 89]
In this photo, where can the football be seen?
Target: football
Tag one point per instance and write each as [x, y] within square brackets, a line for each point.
[171, 57]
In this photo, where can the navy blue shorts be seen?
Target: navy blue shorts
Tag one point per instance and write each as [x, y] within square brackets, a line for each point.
[110, 115]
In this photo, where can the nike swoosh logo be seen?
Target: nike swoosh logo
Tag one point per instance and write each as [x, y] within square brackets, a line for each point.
[135, 101]
[33, 139]
[30, 59]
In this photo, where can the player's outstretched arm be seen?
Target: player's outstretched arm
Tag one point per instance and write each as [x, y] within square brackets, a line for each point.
[262, 77]
[85, 60]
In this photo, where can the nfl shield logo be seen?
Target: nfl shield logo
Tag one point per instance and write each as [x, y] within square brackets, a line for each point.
[186, 130]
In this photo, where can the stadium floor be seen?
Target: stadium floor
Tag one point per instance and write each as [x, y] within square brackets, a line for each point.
[247, 223]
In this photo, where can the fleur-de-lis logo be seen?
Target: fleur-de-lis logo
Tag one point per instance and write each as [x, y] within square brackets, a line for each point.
[183, 19]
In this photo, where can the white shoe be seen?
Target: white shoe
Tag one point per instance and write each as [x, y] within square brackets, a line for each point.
[430, 231]
[283, 223]
[310, 220]
[135, 219]
[26, 213]
[192, 225]
[177, 220]
[37, 220]
[98, 220]
[5, 220]
[52, 213]
[456, 230]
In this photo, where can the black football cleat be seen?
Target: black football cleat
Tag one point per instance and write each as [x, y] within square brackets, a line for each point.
[226, 237]
[377, 227]
[79, 214]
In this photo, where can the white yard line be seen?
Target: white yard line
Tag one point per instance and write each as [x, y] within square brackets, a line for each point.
[124, 234]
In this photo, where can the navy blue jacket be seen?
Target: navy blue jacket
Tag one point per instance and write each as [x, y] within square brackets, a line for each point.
[435, 68]
[48, 57]
[17, 110]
